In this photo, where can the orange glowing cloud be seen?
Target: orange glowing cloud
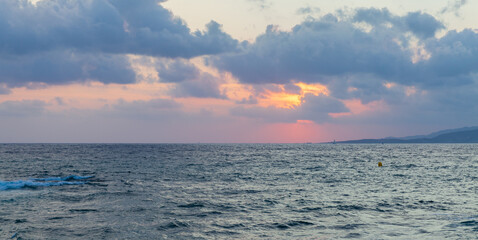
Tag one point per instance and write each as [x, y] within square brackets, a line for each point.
[95, 95]
[280, 99]
[284, 99]
[314, 88]
[305, 121]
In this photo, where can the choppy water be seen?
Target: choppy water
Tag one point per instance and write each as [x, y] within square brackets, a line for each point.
[238, 191]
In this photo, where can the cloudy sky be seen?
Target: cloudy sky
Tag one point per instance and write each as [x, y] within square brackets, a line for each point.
[235, 70]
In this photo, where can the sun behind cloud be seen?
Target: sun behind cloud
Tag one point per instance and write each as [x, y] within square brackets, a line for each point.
[287, 99]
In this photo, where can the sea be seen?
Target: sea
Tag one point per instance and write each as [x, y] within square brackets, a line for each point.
[238, 191]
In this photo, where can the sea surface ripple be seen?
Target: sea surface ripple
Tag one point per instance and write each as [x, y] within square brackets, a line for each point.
[238, 191]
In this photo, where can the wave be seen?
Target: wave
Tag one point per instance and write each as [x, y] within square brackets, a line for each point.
[68, 178]
[43, 182]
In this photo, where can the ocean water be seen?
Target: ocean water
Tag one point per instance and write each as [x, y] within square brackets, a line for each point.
[238, 191]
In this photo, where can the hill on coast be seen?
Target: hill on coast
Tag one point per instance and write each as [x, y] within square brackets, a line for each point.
[460, 135]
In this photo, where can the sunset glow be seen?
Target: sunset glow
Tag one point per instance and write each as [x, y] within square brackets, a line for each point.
[280, 74]
[283, 99]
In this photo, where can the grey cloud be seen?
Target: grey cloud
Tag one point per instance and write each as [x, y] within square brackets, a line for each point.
[317, 108]
[452, 63]
[151, 104]
[315, 50]
[25, 108]
[177, 71]
[454, 6]
[213, 41]
[373, 16]
[140, 109]
[189, 80]
[292, 89]
[307, 10]
[322, 103]
[250, 100]
[154, 104]
[337, 53]
[58, 67]
[56, 41]
[60, 101]
[262, 4]
[87, 25]
[365, 87]
[119, 27]
[205, 86]
[423, 25]
[450, 106]
[453, 55]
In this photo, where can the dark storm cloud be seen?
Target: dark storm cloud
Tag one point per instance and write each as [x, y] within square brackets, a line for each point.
[98, 33]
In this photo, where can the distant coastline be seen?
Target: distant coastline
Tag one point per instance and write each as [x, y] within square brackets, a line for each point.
[460, 135]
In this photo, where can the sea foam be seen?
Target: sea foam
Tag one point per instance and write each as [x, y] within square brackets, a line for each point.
[43, 182]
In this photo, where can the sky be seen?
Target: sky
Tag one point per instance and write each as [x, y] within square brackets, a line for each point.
[235, 71]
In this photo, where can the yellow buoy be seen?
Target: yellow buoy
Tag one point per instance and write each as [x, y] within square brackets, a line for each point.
[379, 164]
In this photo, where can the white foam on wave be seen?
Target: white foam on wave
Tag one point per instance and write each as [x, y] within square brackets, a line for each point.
[42, 182]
